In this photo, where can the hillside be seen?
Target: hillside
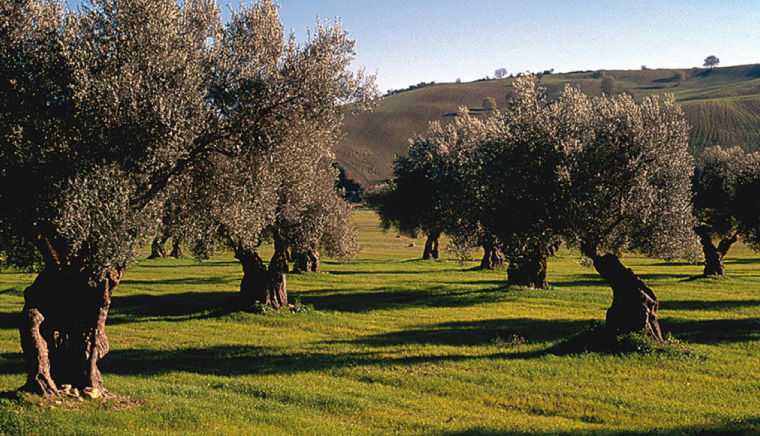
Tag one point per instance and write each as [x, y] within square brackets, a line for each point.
[722, 105]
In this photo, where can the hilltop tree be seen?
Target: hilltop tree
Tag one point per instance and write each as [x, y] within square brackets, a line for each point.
[717, 207]
[711, 62]
[105, 112]
[500, 73]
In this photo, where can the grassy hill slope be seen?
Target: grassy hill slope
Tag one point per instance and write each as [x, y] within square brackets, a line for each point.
[722, 105]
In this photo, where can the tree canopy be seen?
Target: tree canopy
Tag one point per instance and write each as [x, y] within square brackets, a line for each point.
[111, 113]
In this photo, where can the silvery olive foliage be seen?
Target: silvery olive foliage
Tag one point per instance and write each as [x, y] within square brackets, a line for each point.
[719, 173]
[607, 175]
[279, 102]
[109, 112]
[626, 175]
[748, 201]
[430, 180]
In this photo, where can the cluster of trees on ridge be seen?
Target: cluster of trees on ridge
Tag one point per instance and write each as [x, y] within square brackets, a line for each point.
[605, 175]
[131, 118]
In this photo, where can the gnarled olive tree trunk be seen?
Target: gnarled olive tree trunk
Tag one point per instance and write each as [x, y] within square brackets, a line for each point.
[431, 246]
[306, 262]
[634, 305]
[714, 265]
[262, 285]
[177, 251]
[158, 247]
[528, 271]
[63, 332]
[492, 257]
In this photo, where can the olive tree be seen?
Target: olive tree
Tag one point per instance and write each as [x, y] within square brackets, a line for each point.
[717, 208]
[99, 109]
[626, 177]
[279, 102]
[518, 162]
[107, 111]
[412, 202]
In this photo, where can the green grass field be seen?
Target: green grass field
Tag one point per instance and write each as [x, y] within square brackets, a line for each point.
[395, 345]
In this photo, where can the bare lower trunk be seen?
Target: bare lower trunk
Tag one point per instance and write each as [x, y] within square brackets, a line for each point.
[262, 285]
[158, 248]
[528, 271]
[63, 331]
[307, 262]
[492, 257]
[176, 249]
[634, 305]
[431, 247]
[714, 265]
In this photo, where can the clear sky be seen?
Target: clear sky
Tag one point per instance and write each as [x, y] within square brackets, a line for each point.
[411, 41]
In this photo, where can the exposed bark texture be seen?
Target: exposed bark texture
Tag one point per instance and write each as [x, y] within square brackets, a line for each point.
[634, 305]
[177, 249]
[431, 247]
[714, 265]
[158, 248]
[63, 330]
[492, 257]
[528, 271]
[259, 284]
[306, 262]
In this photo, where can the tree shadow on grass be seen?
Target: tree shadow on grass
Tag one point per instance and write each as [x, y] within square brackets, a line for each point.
[679, 305]
[714, 331]
[742, 427]
[170, 306]
[10, 321]
[383, 299]
[194, 281]
[472, 333]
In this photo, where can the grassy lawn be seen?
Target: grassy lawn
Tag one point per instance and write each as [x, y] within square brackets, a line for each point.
[404, 346]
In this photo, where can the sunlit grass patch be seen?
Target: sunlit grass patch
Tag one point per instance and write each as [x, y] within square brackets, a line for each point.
[396, 344]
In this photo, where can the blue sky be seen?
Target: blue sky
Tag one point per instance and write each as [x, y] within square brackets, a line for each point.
[411, 41]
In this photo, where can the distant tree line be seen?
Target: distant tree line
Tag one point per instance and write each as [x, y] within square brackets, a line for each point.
[410, 88]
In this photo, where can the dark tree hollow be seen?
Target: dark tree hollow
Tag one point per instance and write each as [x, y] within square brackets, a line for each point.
[63, 332]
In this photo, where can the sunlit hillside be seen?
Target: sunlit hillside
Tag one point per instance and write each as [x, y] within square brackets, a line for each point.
[722, 105]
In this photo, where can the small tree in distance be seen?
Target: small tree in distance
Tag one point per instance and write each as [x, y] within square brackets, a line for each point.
[711, 62]
[489, 104]
[500, 73]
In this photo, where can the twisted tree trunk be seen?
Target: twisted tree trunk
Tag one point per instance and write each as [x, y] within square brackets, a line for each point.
[528, 271]
[492, 257]
[177, 249]
[634, 305]
[431, 247]
[277, 293]
[714, 265]
[306, 262]
[63, 330]
[158, 248]
[262, 285]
